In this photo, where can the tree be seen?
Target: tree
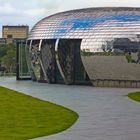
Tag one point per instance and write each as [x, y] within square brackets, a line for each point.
[8, 60]
[3, 51]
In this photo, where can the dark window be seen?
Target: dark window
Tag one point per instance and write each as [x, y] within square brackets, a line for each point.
[9, 36]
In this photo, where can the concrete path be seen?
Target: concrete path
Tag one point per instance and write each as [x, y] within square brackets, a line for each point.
[105, 113]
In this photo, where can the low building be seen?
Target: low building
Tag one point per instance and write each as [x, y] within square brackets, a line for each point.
[14, 32]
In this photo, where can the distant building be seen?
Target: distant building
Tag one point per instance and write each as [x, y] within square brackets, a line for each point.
[11, 33]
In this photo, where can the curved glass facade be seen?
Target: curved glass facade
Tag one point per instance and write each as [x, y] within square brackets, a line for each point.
[97, 45]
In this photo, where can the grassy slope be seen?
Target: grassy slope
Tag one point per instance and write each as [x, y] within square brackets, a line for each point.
[135, 96]
[23, 117]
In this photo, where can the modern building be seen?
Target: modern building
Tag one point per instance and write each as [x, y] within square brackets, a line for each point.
[14, 32]
[95, 45]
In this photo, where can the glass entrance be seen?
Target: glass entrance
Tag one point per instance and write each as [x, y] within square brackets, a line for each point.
[22, 71]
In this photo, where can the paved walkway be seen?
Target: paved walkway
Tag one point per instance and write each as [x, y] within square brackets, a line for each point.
[105, 113]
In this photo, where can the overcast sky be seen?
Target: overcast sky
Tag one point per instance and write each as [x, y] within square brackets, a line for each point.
[22, 12]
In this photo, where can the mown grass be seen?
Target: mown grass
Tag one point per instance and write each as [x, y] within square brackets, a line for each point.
[23, 117]
[135, 96]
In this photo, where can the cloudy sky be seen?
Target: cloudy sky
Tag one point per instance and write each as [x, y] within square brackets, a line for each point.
[22, 12]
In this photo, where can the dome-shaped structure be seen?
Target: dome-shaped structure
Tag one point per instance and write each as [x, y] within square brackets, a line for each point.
[98, 45]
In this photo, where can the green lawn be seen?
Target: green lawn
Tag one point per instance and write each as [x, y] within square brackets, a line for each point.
[23, 117]
[135, 96]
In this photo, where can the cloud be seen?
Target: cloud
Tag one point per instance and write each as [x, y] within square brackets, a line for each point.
[54, 6]
[7, 9]
[74, 4]
[35, 12]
